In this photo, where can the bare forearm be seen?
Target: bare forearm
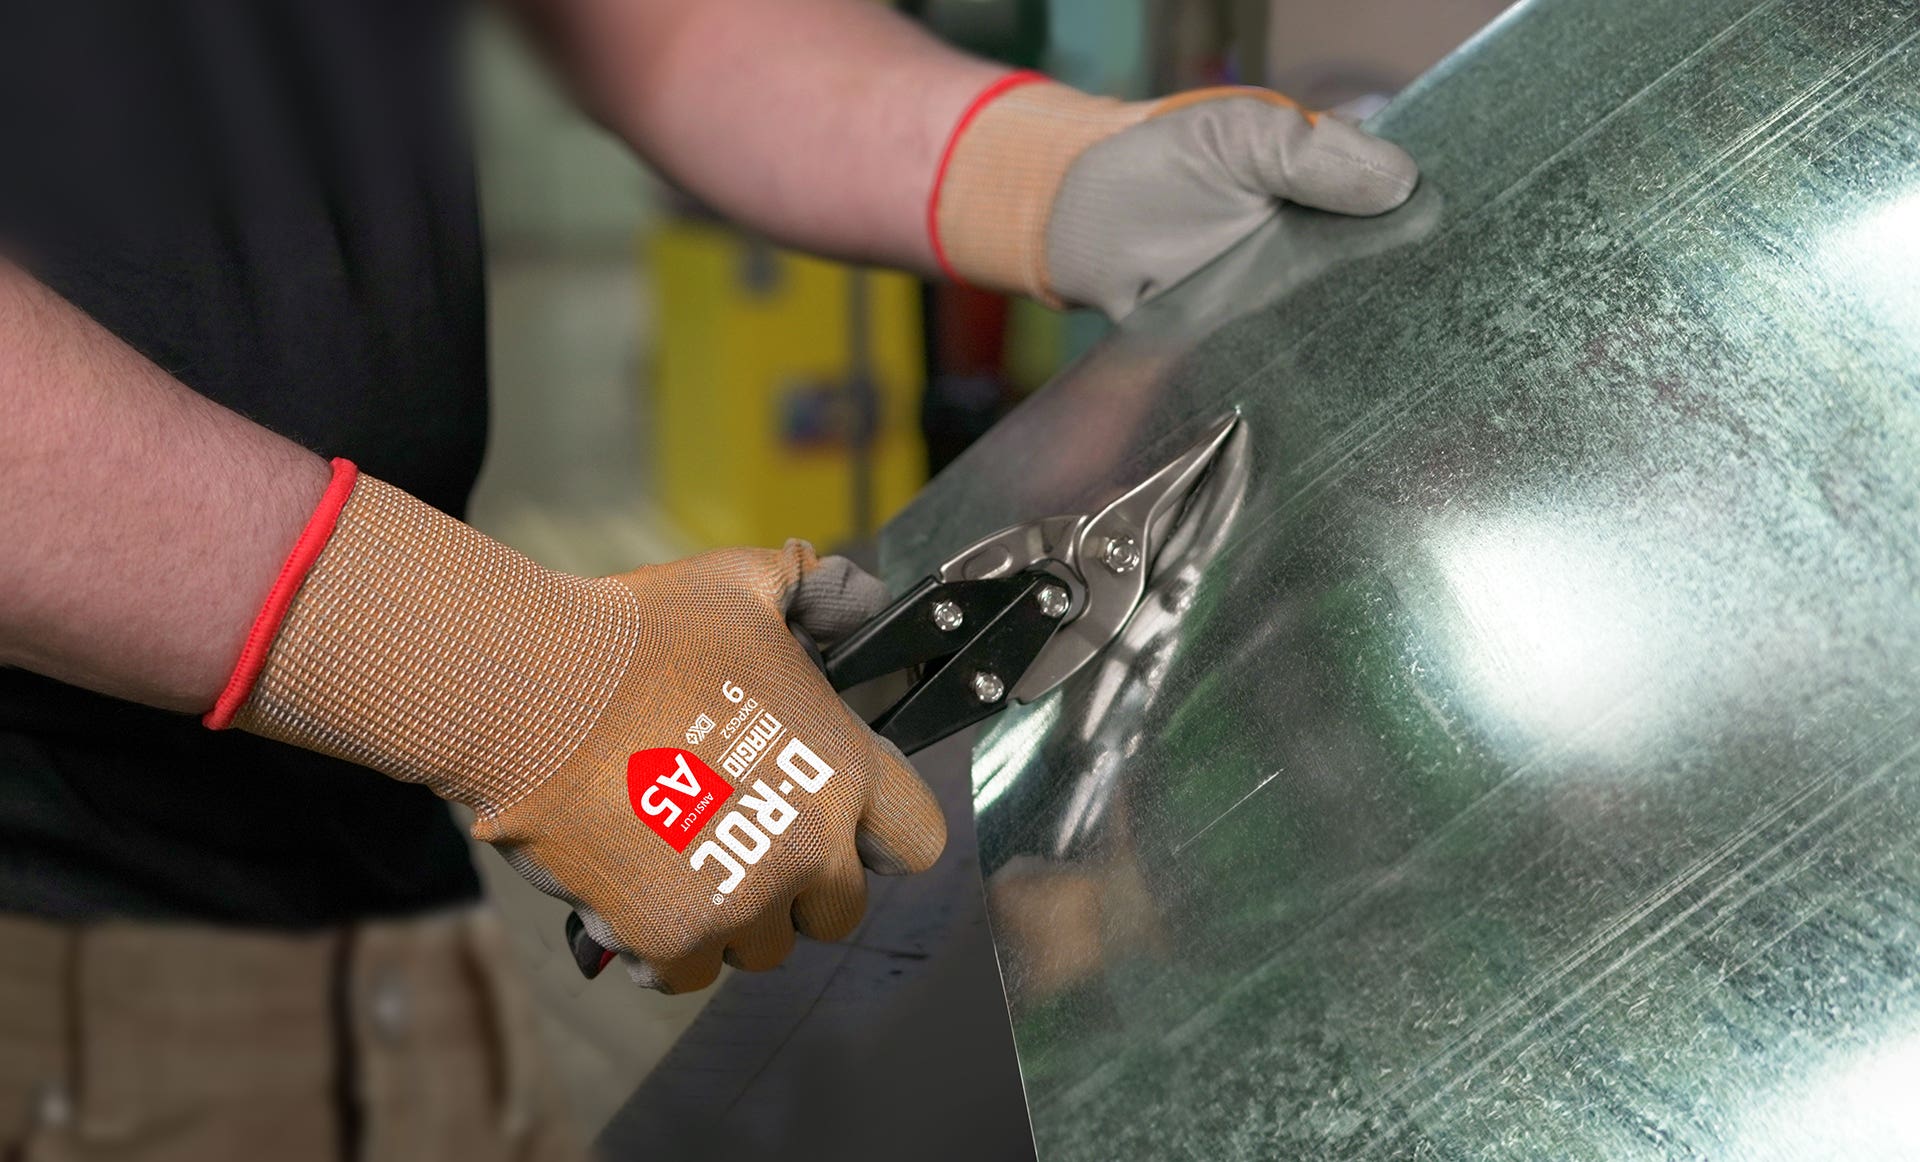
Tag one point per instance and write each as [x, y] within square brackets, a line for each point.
[820, 122]
[141, 525]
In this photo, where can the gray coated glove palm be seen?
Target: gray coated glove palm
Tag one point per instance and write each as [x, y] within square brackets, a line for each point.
[1079, 200]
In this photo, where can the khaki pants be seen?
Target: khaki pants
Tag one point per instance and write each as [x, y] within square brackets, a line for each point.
[398, 1041]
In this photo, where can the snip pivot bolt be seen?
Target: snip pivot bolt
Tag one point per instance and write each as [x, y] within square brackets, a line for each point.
[1121, 554]
[988, 687]
[948, 616]
[1054, 601]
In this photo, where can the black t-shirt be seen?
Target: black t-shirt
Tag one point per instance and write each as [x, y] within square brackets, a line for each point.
[274, 201]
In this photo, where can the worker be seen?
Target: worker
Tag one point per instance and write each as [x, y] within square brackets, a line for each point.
[248, 641]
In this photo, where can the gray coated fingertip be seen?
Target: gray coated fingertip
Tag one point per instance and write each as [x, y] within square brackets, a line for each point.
[835, 597]
[1354, 172]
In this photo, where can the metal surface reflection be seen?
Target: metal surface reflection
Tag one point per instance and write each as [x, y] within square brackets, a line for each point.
[1531, 768]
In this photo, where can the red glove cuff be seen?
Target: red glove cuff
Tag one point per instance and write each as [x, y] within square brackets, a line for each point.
[987, 96]
[266, 626]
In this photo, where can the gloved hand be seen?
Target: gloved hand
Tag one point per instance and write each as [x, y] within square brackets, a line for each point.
[1087, 201]
[655, 748]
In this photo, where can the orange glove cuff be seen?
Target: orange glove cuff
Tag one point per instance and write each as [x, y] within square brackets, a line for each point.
[293, 573]
[986, 97]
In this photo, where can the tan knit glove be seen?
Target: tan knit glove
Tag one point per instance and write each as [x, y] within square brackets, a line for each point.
[655, 748]
[1087, 201]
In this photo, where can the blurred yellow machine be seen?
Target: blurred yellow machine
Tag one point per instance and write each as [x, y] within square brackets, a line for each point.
[787, 393]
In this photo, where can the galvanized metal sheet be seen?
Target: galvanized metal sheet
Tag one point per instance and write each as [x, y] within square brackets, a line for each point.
[1529, 767]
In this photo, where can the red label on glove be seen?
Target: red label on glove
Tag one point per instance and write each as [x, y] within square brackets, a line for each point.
[673, 792]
